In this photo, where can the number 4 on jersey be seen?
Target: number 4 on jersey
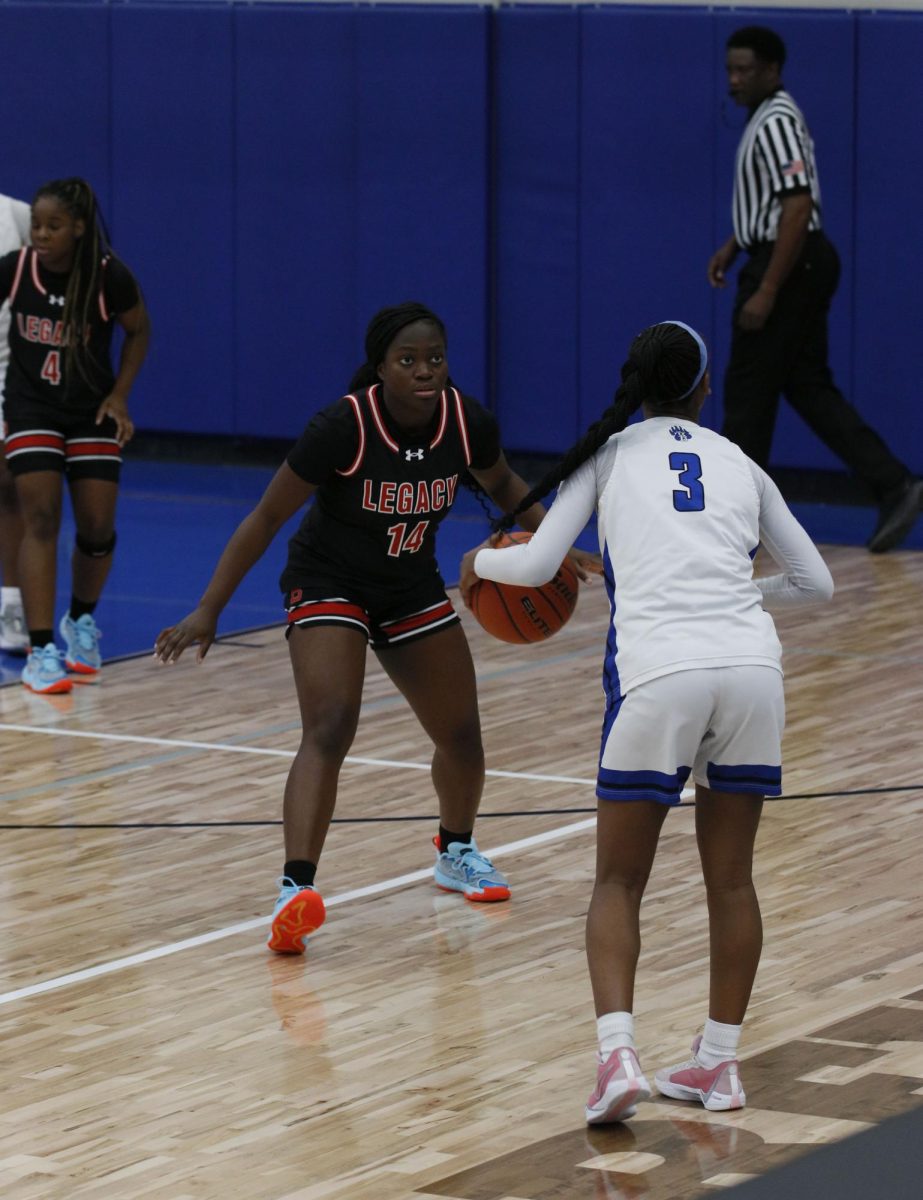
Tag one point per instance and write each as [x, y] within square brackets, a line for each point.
[51, 368]
[689, 467]
[403, 542]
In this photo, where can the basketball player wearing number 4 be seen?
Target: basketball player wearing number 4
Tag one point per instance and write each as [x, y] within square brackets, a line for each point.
[383, 465]
[693, 686]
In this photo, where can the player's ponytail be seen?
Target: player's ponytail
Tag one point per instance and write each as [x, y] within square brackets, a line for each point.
[664, 367]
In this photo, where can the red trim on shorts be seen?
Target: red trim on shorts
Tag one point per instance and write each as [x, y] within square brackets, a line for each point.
[32, 440]
[429, 616]
[89, 448]
[327, 608]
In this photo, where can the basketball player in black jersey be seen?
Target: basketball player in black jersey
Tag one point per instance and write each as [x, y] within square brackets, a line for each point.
[66, 415]
[383, 465]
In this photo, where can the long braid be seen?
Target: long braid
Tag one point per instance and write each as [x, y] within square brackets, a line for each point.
[661, 368]
[85, 279]
[380, 333]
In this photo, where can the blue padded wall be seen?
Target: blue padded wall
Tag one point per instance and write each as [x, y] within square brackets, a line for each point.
[889, 299]
[172, 180]
[646, 191]
[54, 92]
[295, 237]
[536, 64]
[550, 179]
[421, 143]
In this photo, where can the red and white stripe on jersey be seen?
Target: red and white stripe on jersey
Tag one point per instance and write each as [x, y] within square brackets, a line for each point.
[416, 623]
[462, 425]
[85, 449]
[360, 453]
[23, 255]
[31, 441]
[334, 611]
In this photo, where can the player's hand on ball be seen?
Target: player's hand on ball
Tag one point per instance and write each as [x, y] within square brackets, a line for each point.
[200, 626]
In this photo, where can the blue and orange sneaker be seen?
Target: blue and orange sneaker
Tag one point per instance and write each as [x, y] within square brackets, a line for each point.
[298, 912]
[463, 868]
[44, 671]
[81, 637]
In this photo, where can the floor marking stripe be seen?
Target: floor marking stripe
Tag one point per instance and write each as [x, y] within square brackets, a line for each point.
[374, 889]
[354, 759]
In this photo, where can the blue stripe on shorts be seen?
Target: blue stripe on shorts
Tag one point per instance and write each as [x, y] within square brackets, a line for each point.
[747, 777]
[641, 785]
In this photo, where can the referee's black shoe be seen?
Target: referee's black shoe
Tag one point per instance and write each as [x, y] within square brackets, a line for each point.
[899, 510]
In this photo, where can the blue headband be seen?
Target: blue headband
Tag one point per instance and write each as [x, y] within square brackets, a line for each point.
[703, 355]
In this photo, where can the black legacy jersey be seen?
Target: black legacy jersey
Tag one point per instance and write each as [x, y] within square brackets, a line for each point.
[36, 371]
[380, 493]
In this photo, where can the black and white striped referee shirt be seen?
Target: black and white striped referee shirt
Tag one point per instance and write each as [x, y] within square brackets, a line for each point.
[775, 159]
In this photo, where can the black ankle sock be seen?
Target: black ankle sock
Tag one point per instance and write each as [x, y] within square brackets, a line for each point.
[79, 607]
[39, 638]
[447, 837]
[300, 871]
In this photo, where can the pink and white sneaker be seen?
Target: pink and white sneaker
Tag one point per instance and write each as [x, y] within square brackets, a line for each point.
[717, 1088]
[620, 1085]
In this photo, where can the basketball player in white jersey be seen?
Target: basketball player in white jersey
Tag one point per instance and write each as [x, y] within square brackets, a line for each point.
[693, 683]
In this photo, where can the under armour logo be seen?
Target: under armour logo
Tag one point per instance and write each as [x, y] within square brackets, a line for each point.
[56, 300]
[681, 435]
[411, 454]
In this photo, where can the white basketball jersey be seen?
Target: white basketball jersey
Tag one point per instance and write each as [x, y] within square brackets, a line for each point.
[681, 512]
[679, 516]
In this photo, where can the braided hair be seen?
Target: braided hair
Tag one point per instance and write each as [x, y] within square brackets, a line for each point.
[85, 279]
[381, 332]
[665, 365]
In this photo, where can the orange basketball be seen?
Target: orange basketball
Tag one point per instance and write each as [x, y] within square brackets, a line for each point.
[525, 614]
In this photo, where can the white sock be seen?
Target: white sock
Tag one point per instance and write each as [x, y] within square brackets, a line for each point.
[719, 1043]
[10, 596]
[615, 1029]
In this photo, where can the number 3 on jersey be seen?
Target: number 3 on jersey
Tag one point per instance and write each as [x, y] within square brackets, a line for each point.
[689, 467]
[403, 542]
[51, 367]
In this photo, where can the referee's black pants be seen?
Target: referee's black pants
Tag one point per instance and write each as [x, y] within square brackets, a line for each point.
[789, 356]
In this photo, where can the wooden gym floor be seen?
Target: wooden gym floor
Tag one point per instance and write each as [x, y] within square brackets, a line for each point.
[425, 1047]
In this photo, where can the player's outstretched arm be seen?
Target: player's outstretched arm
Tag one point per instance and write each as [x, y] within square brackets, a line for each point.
[287, 492]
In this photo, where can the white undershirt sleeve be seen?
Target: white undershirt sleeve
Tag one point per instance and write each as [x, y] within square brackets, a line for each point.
[536, 561]
[805, 577]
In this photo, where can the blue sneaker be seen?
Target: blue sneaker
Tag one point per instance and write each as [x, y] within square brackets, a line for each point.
[463, 868]
[82, 640]
[298, 912]
[44, 671]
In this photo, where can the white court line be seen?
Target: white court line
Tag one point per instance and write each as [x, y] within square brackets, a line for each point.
[180, 744]
[374, 889]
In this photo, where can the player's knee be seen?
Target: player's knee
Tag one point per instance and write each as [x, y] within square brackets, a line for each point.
[42, 522]
[95, 545]
[330, 733]
[463, 741]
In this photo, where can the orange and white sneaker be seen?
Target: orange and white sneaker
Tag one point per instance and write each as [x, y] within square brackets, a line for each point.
[44, 671]
[298, 912]
[716, 1088]
[620, 1085]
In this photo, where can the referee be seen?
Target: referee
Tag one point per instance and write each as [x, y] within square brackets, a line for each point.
[784, 290]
